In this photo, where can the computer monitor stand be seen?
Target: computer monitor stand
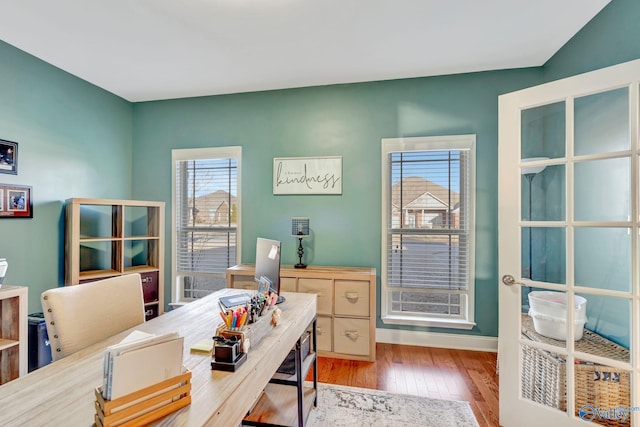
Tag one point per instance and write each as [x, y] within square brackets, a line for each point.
[280, 299]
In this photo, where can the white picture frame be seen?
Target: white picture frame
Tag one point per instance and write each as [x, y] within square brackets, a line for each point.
[307, 175]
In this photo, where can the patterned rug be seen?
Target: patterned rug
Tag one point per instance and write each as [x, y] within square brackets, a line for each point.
[358, 407]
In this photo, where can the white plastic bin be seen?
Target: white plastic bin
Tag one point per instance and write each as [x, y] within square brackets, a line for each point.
[549, 313]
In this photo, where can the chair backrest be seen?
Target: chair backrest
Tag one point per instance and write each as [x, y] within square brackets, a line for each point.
[80, 315]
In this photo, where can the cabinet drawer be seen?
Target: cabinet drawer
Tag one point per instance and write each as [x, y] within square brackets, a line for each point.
[324, 331]
[351, 336]
[245, 282]
[150, 311]
[352, 298]
[287, 284]
[149, 286]
[321, 287]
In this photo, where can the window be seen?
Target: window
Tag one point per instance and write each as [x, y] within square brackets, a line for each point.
[206, 211]
[428, 231]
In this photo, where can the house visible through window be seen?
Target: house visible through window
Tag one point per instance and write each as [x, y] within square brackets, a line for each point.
[428, 231]
[206, 206]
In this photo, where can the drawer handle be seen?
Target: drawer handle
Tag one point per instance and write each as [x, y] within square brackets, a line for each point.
[352, 335]
[351, 296]
[146, 279]
[314, 292]
[318, 331]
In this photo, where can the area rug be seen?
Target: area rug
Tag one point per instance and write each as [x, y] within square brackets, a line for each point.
[358, 407]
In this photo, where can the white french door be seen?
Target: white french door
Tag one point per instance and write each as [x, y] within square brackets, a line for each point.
[568, 231]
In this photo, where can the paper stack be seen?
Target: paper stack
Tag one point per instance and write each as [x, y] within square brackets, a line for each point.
[139, 361]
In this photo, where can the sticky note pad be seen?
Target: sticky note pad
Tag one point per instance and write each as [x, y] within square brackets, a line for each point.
[203, 346]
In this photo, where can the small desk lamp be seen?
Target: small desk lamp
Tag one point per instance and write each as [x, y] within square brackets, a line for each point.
[300, 229]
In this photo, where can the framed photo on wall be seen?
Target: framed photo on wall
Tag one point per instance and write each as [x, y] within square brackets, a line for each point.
[15, 201]
[8, 157]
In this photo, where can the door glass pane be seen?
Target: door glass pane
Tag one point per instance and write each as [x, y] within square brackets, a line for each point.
[543, 254]
[603, 258]
[609, 318]
[602, 122]
[602, 190]
[543, 376]
[602, 394]
[543, 131]
[545, 319]
[543, 193]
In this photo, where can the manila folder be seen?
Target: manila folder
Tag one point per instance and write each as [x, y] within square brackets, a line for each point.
[136, 369]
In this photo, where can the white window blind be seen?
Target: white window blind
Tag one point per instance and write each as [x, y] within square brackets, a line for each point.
[428, 228]
[206, 207]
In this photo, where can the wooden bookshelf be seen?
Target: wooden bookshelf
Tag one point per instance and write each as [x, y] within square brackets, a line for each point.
[13, 333]
[106, 238]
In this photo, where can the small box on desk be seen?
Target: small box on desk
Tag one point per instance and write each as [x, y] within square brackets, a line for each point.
[146, 405]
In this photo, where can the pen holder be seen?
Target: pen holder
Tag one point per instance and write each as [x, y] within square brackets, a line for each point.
[226, 352]
[251, 334]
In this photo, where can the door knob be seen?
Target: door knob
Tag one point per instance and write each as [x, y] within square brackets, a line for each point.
[509, 280]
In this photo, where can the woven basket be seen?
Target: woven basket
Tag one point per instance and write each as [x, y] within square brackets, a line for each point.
[544, 374]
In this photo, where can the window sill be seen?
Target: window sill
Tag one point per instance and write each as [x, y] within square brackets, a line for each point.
[433, 322]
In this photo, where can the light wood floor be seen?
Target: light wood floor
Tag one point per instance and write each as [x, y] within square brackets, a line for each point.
[422, 371]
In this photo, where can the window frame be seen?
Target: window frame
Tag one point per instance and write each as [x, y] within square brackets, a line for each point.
[433, 143]
[178, 155]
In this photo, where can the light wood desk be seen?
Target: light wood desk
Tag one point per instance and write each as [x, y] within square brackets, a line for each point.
[62, 393]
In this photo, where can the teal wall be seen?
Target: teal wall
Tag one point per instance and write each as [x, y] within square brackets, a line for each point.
[74, 140]
[79, 141]
[610, 38]
[347, 120]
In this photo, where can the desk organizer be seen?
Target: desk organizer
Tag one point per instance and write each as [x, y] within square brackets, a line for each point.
[544, 374]
[146, 405]
[251, 334]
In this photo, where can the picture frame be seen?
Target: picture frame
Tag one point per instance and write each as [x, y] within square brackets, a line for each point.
[16, 201]
[8, 157]
[307, 175]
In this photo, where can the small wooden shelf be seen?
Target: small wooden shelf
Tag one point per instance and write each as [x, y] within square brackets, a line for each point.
[287, 399]
[291, 379]
[278, 406]
[107, 238]
[13, 333]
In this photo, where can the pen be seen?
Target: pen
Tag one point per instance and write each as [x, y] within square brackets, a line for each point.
[229, 316]
[243, 319]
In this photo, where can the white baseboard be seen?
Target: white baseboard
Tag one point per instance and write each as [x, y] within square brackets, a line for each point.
[434, 339]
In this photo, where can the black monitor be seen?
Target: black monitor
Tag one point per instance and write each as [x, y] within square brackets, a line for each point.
[268, 266]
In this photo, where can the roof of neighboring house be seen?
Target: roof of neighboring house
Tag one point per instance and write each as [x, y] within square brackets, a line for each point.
[418, 191]
[214, 200]
[427, 201]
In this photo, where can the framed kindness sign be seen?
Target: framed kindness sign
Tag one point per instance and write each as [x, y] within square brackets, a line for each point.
[307, 175]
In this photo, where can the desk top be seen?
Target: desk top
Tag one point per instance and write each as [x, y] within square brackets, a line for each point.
[62, 393]
[311, 271]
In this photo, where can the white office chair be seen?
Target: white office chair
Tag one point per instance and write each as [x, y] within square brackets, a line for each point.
[80, 315]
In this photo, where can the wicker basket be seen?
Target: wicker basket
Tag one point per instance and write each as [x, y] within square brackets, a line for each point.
[544, 374]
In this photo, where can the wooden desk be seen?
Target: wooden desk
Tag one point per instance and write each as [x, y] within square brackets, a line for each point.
[62, 393]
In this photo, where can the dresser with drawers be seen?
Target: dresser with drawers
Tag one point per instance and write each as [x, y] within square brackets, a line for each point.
[346, 322]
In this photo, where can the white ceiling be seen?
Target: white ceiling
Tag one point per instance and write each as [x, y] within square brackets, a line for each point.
[159, 49]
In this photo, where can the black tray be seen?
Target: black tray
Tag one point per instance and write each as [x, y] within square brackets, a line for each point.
[229, 366]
